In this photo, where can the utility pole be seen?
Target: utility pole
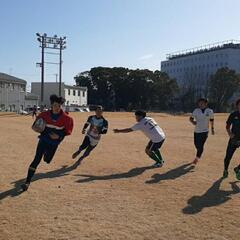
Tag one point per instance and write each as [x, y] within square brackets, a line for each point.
[54, 43]
[56, 77]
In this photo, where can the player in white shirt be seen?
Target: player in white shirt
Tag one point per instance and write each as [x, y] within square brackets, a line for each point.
[201, 117]
[152, 131]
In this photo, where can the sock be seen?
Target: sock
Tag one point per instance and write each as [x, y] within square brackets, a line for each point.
[31, 172]
[155, 157]
[157, 152]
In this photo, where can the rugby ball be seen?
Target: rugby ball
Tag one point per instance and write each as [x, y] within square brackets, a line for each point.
[39, 125]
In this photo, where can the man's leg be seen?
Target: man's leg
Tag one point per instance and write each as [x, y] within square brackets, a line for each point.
[199, 140]
[49, 153]
[152, 150]
[229, 154]
[85, 144]
[88, 151]
[33, 166]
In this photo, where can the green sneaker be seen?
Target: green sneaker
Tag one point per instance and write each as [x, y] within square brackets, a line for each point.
[237, 171]
[225, 173]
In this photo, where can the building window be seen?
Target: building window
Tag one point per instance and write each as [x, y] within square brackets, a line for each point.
[69, 91]
[74, 92]
[83, 94]
[79, 93]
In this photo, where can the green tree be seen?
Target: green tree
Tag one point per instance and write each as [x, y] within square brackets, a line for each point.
[222, 86]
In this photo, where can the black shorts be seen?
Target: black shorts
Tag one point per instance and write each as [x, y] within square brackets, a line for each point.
[154, 146]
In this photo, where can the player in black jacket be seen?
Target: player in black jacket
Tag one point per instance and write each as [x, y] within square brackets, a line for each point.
[97, 125]
[233, 130]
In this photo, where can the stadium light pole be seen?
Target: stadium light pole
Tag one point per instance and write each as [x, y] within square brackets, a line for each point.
[55, 43]
[62, 46]
[42, 40]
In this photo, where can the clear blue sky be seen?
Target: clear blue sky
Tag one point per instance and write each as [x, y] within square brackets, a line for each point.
[129, 33]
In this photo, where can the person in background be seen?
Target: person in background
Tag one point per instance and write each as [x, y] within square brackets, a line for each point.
[200, 118]
[233, 130]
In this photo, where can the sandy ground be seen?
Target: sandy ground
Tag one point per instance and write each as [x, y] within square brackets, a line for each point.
[115, 194]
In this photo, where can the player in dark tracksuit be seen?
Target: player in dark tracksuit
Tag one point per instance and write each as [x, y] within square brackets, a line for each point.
[233, 130]
[58, 125]
[97, 125]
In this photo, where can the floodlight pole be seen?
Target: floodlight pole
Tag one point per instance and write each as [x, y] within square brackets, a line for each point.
[60, 69]
[42, 71]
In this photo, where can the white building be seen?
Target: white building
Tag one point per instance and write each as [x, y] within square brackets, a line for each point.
[198, 64]
[74, 95]
[13, 95]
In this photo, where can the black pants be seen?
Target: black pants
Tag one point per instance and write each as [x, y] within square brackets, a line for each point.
[154, 146]
[44, 150]
[199, 141]
[86, 144]
[233, 144]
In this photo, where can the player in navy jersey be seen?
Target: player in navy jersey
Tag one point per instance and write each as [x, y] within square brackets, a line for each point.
[233, 130]
[96, 125]
[58, 125]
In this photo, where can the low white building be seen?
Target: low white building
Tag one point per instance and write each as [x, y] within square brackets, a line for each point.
[13, 95]
[75, 96]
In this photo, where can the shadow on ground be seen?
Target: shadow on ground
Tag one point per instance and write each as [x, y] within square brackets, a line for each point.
[214, 196]
[130, 174]
[172, 174]
[16, 190]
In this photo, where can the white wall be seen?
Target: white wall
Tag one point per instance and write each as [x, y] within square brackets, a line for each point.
[12, 96]
[49, 89]
[80, 97]
[199, 67]
[53, 88]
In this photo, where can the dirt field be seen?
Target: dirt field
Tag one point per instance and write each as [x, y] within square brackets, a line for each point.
[115, 194]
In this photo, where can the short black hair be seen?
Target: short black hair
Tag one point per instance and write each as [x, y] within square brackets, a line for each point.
[99, 107]
[237, 102]
[54, 98]
[140, 113]
[203, 100]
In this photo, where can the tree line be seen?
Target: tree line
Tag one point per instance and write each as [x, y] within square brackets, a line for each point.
[121, 88]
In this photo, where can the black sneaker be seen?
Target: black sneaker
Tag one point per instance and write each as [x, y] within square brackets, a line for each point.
[25, 186]
[237, 171]
[75, 154]
[225, 174]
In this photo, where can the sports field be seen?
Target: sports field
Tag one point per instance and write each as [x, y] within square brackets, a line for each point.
[115, 194]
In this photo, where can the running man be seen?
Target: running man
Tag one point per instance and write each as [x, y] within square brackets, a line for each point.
[201, 117]
[233, 130]
[34, 112]
[97, 125]
[152, 131]
[58, 125]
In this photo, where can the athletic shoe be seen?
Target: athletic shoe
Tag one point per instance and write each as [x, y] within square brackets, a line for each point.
[25, 187]
[237, 171]
[158, 165]
[225, 173]
[196, 161]
[76, 154]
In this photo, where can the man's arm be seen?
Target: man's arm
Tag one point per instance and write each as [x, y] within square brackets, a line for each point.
[105, 127]
[191, 119]
[212, 125]
[228, 126]
[85, 127]
[125, 130]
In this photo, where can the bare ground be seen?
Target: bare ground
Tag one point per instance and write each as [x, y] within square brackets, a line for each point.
[114, 194]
